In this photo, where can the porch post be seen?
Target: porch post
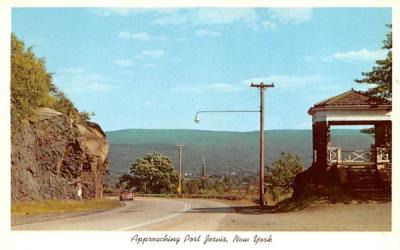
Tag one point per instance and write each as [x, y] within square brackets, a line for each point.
[321, 142]
[380, 136]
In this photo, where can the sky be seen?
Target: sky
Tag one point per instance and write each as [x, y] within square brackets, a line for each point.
[155, 68]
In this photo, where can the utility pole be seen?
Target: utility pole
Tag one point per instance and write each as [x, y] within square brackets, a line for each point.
[203, 177]
[262, 87]
[180, 146]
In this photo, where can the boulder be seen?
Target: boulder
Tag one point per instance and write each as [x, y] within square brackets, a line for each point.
[52, 156]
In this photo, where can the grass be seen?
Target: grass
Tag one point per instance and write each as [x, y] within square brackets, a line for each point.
[23, 208]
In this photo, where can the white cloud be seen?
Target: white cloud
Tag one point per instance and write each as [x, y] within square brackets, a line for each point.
[282, 82]
[153, 53]
[207, 16]
[360, 55]
[287, 82]
[215, 16]
[73, 80]
[134, 11]
[205, 32]
[140, 36]
[123, 62]
[171, 19]
[224, 15]
[349, 56]
[291, 15]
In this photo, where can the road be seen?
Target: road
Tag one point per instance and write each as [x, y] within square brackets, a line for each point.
[160, 214]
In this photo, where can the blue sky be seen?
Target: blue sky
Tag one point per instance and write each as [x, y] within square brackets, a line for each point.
[154, 68]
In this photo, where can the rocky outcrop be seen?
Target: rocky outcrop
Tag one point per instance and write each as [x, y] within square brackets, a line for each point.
[53, 156]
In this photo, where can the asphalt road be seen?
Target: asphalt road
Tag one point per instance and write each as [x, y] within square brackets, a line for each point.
[160, 214]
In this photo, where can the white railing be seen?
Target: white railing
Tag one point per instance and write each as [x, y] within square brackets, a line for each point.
[337, 155]
[356, 156]
[334, 155]
[383, 154]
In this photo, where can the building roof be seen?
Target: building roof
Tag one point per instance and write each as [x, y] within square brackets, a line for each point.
[352, 99]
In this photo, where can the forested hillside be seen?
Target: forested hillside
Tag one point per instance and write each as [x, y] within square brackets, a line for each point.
[224, 152]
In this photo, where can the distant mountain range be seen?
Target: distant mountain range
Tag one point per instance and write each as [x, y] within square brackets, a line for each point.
[224, 152]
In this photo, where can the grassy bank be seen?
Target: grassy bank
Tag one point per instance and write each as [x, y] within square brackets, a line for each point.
[22, 208]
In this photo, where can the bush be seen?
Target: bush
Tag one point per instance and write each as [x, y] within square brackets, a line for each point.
[280, 177]
[30, 82]
[192, 186]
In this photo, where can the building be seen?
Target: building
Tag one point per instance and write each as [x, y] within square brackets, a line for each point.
[358, 170]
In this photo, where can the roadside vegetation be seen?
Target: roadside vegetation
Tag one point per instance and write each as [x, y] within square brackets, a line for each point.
[153, 175]
[32, 87]
[27, 208]
[280, 176]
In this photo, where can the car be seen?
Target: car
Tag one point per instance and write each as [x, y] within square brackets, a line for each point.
[126, 196]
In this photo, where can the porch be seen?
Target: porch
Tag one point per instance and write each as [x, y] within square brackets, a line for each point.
[362, 169]
[357, 169]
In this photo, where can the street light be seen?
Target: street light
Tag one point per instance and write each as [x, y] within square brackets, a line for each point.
[196, 118]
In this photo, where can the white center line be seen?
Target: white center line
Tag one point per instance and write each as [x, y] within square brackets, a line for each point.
[186, 207]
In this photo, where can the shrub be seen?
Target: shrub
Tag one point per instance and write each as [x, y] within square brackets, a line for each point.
[280, 177]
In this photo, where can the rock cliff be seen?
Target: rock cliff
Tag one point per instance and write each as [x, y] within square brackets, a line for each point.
[53, 156]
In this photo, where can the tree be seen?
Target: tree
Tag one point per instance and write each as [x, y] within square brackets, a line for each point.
[154, 174]
[380, 77]
[125, 181]
[32, 87]
[381, 74]
[219, 187]
[65, 105]
[280, 177]
[192, 186]
[228, 183]
[31, 84]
